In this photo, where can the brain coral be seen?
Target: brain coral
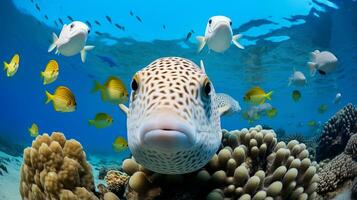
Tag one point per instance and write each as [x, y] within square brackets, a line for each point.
[250, 165]
[336, 132]
[55, 168]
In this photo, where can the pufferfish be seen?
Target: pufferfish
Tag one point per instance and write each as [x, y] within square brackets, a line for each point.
[173, 121]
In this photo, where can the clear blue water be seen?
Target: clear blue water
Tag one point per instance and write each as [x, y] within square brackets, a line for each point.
[278, 37]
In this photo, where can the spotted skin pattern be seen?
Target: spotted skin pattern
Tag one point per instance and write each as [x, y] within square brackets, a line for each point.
[174, 84]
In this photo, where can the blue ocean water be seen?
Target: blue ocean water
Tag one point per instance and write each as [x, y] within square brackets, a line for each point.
[278, 37]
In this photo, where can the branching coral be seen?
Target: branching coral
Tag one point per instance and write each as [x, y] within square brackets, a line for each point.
[56, 168]
[340, 169]
[336, 133]
[251, 164]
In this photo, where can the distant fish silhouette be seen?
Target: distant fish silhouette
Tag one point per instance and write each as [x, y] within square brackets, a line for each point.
[89, 24]
[131, 13]
[120, 27]
[37, 7]
[70, 18]
[60, 20]
[189, 34]
[46, 17]
[95, 21]
[139, 19]
[109, 19]
[108, 60]
[31, 1]
[55, 23]
[98, 33]
[164, 26]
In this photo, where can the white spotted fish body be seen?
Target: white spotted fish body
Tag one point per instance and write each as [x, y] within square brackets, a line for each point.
[173, 122]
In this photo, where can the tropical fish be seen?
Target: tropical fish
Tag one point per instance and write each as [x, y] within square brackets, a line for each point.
[322, 108]
[261, 109]
[89, 24]
[98, 23]
[109, 19]
[297, 78]
[120, 27]
[72, 40]
[337, 98]
[70, 18]
[188, 36]
[60, 20]
[113, 90]
[101, 120]
[272, 113]
[12, 67]
[33, 130]
[63, 99]
[108, 60]
[312, 123]
[46, 17]
[120, 144]
[227, 105]
[296, 95]
[98, 33]
[139, 19]
[51, 72]
[172, 113]
[324, 62]
[257, 96]
[131, 13]
[37, 7]
[164, 26]
[251, 116]
[218, 35]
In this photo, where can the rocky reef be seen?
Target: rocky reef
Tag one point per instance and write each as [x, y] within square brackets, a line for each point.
[336, 133]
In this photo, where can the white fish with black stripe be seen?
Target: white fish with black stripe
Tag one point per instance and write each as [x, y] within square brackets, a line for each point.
[72, 40]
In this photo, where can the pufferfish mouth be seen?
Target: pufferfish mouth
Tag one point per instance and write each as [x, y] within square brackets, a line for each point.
[167, 132]
[221, 26]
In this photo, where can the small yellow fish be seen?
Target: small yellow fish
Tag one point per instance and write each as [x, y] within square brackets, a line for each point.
[120, 144]
[322, 108]
[272, 112]
[101, 120]
[296, 95]
[51, 72]
[33, 130]
[250, 116]
[113, 90]
[312, 123]
[63, 99]
[11, 68]
[257, 96]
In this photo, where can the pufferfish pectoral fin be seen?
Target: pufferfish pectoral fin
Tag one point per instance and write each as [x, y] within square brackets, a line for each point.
[202, 66]
[124, 108]
[201, 42]
[235, 41]
[224, 110]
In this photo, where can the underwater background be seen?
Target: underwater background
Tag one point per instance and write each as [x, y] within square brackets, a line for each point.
[278, 37]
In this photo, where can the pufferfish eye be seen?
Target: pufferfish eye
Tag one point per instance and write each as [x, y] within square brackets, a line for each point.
[230, 23]
[72, 25]
[135, 83]
[88, 31]
[210, 21]
[207, 87]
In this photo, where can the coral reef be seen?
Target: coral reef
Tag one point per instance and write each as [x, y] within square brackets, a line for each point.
[116, 181]
[336, 132]
[56, 168]
[338, 171]
[250, 165]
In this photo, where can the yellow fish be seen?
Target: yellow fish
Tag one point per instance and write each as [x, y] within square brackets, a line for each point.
[120, 144]
[33, 130]
[296, 95]
[101, 120]
[312, 123]
[63, 99]
[257, 96]
[11, 68]
[272, 112]
[113, 90]
[322, 108]
[51, 72]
